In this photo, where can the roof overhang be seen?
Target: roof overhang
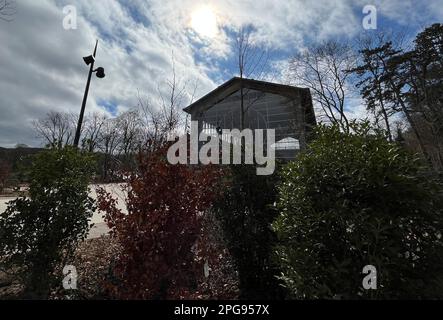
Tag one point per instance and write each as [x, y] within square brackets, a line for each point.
[235, 84]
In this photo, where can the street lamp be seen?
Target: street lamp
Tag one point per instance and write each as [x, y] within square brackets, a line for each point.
[100, 73]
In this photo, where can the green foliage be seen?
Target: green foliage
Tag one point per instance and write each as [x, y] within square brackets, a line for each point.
[354, 199]
[245, 213]
[39, 232]
[408, 82]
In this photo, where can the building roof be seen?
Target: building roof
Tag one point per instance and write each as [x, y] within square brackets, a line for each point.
[230, 87]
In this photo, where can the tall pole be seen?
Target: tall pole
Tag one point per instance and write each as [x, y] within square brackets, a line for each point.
[85, 98]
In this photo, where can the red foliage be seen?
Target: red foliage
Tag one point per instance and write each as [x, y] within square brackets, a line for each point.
[159, 235]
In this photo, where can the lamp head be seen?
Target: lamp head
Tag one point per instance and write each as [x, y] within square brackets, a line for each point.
[100, 72]
[88, 60]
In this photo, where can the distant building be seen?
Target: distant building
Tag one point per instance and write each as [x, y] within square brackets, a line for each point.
[267, 105]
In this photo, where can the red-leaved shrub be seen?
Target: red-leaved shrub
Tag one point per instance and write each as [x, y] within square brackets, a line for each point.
[160, 233]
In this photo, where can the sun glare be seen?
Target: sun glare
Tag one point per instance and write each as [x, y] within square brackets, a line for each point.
[204, 22]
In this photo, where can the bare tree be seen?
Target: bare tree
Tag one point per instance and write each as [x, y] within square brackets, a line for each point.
[166, 117]
[128, 126]
[173, 101]
[93, 125]
[323, 69]
[152, 123]
[56, 129]
[251, 61]
[8, 9]
[108, 143]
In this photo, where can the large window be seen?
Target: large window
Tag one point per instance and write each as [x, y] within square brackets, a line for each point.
[287, 144]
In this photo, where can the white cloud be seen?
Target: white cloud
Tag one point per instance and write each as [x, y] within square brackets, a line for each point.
[42, 67]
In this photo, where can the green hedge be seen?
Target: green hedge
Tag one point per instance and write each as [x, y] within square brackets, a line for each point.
[40, 232]
[352, 200]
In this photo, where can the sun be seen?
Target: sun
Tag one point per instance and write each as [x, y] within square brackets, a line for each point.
[204, 22]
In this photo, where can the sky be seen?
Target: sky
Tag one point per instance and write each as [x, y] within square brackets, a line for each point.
[142, 41]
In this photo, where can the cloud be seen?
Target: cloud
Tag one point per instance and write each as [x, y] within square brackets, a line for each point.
[42, 68]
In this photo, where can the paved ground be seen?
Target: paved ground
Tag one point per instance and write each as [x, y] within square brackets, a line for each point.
[3, 201]
[98, 230]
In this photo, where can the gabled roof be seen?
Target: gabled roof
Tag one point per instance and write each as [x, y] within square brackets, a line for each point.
[232, 86]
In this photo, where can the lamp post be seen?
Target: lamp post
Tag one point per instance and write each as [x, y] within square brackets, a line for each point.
[100, 73]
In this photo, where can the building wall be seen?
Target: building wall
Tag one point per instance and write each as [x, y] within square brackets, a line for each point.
[263, 111]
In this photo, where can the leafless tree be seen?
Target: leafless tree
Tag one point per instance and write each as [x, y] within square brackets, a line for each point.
[128, 126]
[173, 101]
[93, 125]
[8, 9]
[108, 143]
[251, 60]
[323, 69]
[108, 140]
[56, 129]
[152, 122]
[161, 119]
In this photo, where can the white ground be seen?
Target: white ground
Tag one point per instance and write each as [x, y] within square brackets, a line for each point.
[100, 227]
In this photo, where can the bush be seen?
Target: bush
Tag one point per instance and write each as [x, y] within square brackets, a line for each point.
[245, 213]
[160, 234]
[352, 200]
[39, 232]
[222, 281]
